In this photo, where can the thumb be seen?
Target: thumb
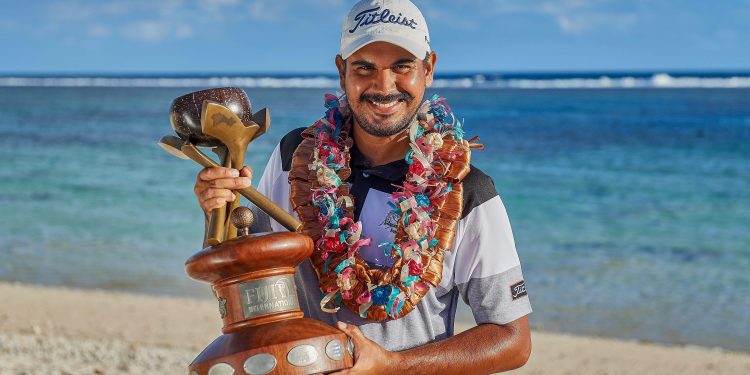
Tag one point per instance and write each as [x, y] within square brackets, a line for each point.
[351, 331]
[358, 339]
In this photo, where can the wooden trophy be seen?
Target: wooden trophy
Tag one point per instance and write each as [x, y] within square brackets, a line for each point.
[252, 276]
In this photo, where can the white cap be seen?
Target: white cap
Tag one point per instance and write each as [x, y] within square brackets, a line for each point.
[397, 22]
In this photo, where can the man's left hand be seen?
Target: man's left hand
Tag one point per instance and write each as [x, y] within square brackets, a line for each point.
[369, 357]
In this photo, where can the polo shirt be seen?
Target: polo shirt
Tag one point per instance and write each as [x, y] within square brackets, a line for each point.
[482, 268]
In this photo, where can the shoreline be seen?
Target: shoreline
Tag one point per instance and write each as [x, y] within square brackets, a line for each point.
[59, 330]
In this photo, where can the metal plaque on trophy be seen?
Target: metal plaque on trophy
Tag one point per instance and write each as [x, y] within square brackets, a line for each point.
[252, 276]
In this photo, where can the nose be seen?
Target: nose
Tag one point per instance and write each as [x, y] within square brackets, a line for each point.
[384, 83]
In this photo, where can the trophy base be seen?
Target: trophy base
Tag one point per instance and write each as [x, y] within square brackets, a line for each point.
[293, 346]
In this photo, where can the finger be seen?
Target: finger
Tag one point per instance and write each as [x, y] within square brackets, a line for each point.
[230, 183]
[246, 171]
[208, 174]
[200, 186]
[214, 203]
[227, 194]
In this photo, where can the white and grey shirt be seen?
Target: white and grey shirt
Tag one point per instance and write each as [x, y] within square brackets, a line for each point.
[482, 268]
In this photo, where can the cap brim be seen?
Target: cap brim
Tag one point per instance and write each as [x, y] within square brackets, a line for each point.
[415, 48]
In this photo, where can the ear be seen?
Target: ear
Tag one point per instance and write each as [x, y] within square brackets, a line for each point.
[341, 66]
[429, 68]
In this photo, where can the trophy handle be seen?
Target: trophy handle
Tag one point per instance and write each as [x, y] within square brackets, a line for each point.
[261, 201]
[216, 228]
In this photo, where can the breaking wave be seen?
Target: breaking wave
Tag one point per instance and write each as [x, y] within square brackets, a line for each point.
[456, 81]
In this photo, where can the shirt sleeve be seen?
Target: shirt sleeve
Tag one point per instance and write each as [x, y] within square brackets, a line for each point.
[487, 269]
[266, 186]
[274, 183]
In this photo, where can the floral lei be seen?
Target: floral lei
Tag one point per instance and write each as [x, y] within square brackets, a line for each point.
[428, 204]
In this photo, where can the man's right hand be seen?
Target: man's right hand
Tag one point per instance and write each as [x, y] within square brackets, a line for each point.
[214, 186]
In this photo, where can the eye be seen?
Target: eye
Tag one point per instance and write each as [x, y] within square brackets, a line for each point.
[402, 68]
[364, 69]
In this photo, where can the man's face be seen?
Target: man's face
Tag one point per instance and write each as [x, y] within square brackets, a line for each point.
[384, 85]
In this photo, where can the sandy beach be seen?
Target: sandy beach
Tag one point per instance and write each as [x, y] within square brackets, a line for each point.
[49, 330]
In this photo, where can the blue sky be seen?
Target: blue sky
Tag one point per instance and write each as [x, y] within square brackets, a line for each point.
[182, 36]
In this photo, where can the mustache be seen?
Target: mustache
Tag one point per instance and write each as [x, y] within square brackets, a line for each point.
[386, 98]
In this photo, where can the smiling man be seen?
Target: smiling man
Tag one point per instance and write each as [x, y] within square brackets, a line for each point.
[404, 225]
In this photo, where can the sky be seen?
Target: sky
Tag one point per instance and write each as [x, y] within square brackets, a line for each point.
[284, 36]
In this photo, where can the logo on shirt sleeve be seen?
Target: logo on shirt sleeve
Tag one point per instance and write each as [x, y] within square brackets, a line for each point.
[518, 290]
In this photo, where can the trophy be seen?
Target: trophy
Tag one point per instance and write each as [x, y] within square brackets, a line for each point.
[252, 276]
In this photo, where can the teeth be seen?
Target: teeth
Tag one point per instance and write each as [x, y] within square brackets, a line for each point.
[385, 104]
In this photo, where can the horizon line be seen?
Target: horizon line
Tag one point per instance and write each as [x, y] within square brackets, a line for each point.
[86, 74]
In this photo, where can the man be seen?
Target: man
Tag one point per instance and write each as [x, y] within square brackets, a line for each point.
[385, 64]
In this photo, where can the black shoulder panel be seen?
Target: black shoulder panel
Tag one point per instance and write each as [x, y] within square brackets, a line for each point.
[288, 145]
[478, 188]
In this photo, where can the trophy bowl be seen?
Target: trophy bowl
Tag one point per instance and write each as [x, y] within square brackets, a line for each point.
[264, 330]
[185, 112]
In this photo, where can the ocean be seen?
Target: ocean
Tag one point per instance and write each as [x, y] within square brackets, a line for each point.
[628, 193]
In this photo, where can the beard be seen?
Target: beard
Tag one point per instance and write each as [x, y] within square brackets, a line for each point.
[390, 127]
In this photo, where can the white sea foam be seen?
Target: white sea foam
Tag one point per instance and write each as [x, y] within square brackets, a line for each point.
[659, 80]
[261, 82]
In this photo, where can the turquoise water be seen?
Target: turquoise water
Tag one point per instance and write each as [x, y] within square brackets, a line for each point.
[630, 207]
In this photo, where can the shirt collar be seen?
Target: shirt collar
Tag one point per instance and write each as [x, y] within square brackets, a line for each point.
[393, 171]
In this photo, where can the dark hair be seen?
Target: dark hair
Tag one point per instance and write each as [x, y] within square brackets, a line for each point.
[426, 59]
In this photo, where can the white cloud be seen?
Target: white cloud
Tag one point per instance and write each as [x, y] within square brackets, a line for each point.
[570, 16]
[332, 5]
[154, 31]
[99, 31]
[183, 31]
[265, 10]
[157, 21]
[509, 6]
[574, 24]
[148, 31]
[116, 8]
[577, 16]
[218, 9]
[143, 20]
[216, 4]
[434, 13]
